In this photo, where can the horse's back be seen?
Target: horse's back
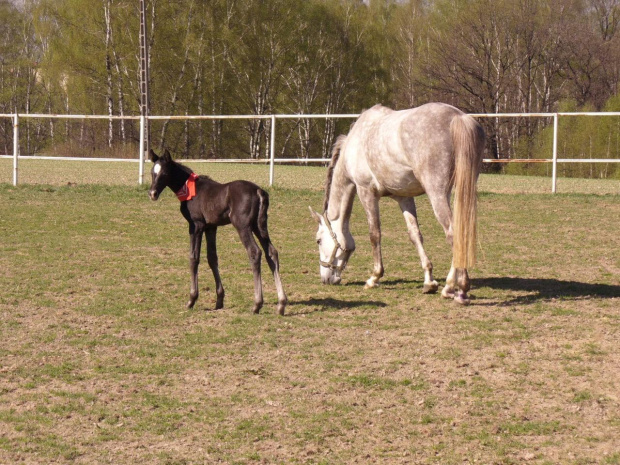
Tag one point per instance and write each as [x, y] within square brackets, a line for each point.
[403, 152]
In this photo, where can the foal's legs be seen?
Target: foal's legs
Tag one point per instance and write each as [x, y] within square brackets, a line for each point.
[457, 281]
[210, 234]
[271, 255]
[407, 205]
[195, 240]
[371, 205]
[254, 254]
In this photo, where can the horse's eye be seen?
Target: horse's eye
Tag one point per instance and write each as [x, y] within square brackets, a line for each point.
[318, 241]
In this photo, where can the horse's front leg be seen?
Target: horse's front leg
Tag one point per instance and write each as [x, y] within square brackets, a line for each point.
[210, 234]
[195, 241]
[371, 205]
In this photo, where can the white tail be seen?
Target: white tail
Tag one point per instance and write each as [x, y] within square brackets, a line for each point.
[468, 141]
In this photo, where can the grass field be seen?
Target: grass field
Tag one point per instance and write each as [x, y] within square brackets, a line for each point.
[101, 363]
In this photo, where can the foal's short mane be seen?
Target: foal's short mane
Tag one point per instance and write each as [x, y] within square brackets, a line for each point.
[330, 169]
[188, 170]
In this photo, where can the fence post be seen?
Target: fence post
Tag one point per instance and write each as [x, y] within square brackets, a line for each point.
[555, 153]
[141, 159]
[15, 146]
[272, 149]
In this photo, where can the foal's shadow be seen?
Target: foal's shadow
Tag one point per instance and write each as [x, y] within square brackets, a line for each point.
[547, 289]
[322, 305]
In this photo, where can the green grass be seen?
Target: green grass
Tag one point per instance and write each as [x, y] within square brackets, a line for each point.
[101, 363]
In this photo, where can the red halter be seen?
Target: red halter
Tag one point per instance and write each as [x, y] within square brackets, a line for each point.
[188, 191]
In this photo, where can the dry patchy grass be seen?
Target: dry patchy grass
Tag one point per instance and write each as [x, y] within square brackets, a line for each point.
[100, 362]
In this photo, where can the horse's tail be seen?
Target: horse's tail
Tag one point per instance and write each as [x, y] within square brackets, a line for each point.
[468, 142]
[261, 221]
[330, 169]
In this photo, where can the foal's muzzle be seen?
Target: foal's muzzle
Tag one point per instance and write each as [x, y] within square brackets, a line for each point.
[153, 194]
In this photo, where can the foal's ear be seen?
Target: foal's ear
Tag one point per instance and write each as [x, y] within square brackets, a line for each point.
[315, 215]
[166, 156]
[153, 156]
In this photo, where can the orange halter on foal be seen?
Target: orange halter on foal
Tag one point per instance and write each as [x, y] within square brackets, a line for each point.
[188, 191]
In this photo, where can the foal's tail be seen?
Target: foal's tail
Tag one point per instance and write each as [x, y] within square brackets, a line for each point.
[468, 142]
[261, 221]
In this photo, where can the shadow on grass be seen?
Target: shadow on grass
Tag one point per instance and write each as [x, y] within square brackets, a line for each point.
[385, 282]
[321, 305]
[547, 289]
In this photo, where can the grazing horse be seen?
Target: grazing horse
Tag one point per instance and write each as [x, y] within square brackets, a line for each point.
[207, 204]
[402, 154]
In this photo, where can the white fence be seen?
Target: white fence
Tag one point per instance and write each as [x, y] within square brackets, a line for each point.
[140, 159]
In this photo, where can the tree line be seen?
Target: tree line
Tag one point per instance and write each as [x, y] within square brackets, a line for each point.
[262, 57]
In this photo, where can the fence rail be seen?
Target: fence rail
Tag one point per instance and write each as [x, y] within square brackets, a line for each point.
[141, 158]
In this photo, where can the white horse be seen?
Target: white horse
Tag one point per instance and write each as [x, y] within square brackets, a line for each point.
[401, 154]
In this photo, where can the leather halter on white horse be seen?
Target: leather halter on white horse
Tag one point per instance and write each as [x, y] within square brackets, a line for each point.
[347, 252]
[429, 150]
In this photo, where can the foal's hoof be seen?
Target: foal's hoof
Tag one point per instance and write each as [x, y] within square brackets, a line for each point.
[430, 288]
[190, 303]
[257, 308]
[282, 306]
[372, 282]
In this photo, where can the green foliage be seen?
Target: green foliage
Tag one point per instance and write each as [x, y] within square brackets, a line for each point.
[307, 56]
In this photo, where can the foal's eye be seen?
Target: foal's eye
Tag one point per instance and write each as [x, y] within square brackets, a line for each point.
[318, 241]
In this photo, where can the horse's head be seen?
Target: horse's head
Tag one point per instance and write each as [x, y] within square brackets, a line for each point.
[160, 173]
[334, 248]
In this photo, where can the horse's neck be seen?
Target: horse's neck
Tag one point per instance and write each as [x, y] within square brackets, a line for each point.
[341, 196]
[179, 178]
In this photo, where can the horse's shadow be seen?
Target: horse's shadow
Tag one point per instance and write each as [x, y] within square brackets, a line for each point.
[324, 304]
[546, 289]
[537, 290]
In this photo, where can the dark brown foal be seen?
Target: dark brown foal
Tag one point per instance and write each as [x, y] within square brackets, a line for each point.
[207, 204]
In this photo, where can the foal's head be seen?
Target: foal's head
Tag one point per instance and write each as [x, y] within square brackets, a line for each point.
[166, 173]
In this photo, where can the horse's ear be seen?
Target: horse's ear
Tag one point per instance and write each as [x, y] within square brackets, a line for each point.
[315, 215]
[166, 156]
[153, 156]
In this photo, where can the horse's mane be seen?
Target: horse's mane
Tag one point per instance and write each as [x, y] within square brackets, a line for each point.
[188, 170]
[330, 169]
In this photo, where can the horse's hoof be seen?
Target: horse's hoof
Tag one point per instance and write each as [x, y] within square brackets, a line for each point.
[190, 304]
[430, 288]
[281, 308]
[372, 282]
[447, 292]
[461, 299]
[219, 304]
[257, 308]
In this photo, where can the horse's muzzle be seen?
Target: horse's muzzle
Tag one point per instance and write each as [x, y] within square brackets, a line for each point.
[153, 195]
[333, 279]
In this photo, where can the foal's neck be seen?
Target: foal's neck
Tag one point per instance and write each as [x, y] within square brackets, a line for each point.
[179, 176]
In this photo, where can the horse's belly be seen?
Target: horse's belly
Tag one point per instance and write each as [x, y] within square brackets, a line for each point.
[395, 179]
[404, 187]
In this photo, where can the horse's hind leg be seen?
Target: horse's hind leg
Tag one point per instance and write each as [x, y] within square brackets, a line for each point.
[271, 255]
[457, 281]
[254, 254]
[457, 285]
[210, 234]
[407, 205]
